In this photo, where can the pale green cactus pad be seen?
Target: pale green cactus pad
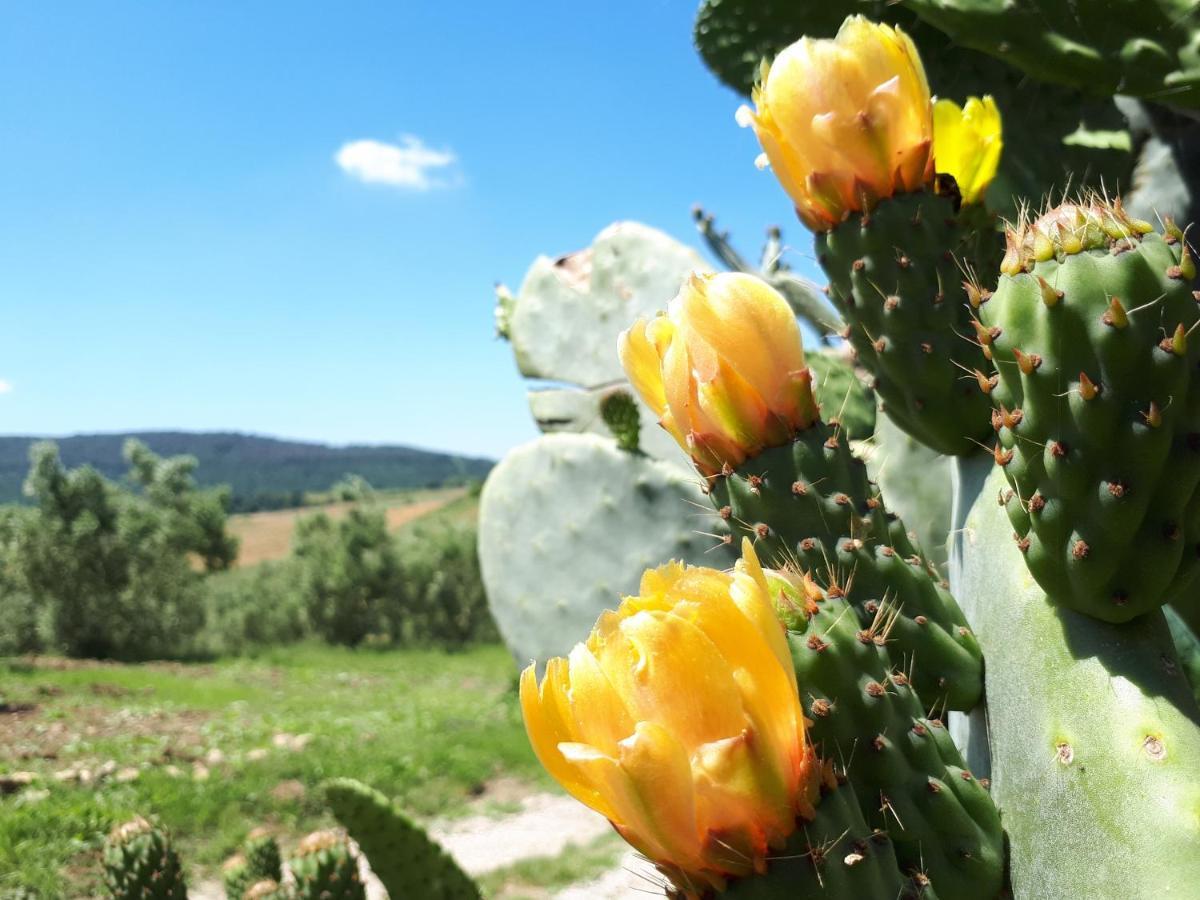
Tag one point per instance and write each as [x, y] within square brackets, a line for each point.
[564, 321]
[567, 525]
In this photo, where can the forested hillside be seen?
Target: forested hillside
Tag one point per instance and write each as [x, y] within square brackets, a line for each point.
[262, 472]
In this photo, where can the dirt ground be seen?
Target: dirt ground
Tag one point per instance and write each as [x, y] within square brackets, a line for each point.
[268, 535]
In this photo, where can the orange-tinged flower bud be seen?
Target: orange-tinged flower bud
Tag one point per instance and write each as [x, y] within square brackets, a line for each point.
[680, 721]
[967, 143]
[845, 122]
[723, 369]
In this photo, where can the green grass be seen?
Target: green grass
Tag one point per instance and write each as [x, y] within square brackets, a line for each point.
[425, 727]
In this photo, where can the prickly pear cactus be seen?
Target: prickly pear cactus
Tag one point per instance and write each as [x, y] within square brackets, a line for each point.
[1141, 48]
[907, 774]
[324, 869]
[1094, 734]
[1096, 413]
[837, 856]
[141, 864]
[564, 321]
[236, 876]
[262, 855]
[896, 276]
[810, 504]
[1056, 137]
[567, 524]
[402, 855]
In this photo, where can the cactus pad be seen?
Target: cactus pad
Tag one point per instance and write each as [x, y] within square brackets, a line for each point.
[402, 855]
[837, 856]
[907, 774]
[141, 864]
[810, 504]
[568, 523]
[565, 319]
[1096, 412]
[1141, 48]
[896, 276]
[325, 869]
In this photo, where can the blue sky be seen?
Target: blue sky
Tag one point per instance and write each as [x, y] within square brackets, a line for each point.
[179, 247]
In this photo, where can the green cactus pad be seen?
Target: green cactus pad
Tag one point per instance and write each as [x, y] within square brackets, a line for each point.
[141, 864]
[1098, 418]
[567, 525]
[1141, 48]
[324, 869]
[837, 856]
[842, 394]
[1095, 746]
[810, 504]
[402, 855]
[896, 277]
[908, 776]
[565, 319]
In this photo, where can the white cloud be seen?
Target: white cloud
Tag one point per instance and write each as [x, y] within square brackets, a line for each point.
[6, 387]
[409, 164]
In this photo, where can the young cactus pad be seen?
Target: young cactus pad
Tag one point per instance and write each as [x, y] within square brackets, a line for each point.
[402, 855]
[141, 864]
[896, 276]
[323, 868]
[836, 856]
[1097, 413]
[810, 504]
[907, 774]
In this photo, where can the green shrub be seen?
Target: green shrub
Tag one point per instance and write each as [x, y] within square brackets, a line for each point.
[100, 570]
[247, 609]
[349, 572]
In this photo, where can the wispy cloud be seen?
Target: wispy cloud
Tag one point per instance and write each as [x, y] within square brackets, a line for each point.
[409, 164]
[6, 387]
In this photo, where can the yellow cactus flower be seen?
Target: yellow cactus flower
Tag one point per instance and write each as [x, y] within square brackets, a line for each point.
[680, 721]
[845, 122]
[967, 143]
[723, 369]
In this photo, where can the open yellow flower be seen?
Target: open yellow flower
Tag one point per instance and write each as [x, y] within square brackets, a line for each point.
[845, 122]
[680, 721]
[723, 369]
[967, 143]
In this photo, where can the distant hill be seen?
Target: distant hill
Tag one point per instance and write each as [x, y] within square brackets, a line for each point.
[261, 471]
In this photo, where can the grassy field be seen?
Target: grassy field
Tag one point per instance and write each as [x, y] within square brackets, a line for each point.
[216, 749]
[268, 535]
